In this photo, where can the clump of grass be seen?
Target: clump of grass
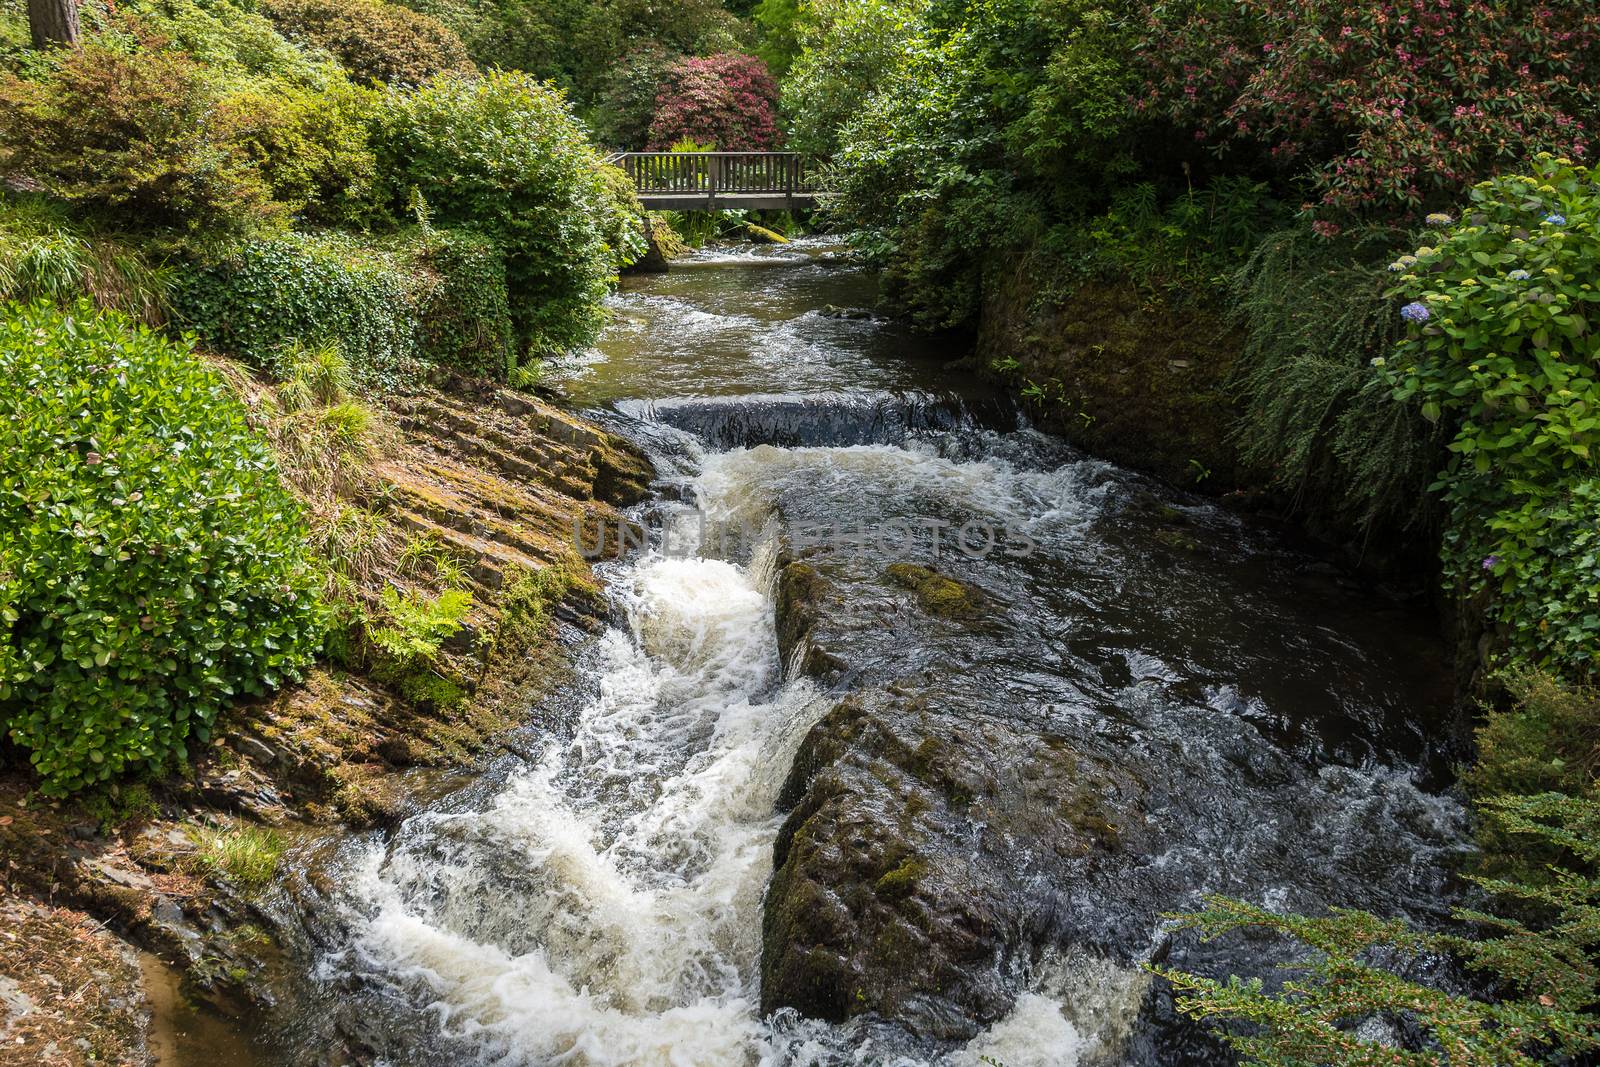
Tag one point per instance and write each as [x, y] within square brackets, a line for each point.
[41, 258]
[247, 855]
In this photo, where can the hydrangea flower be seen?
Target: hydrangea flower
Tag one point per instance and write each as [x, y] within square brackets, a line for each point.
[1518, 276]
[1555, 218]
[1402, 263]
[1438, 218]
[1416, 311]
[1489, 562]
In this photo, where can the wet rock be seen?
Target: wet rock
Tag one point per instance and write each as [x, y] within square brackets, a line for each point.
[920, 857]
[662, 246]
[834, 311]
[800, 591]
[937, 594]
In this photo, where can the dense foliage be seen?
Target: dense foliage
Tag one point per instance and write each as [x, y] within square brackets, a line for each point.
[374, 40]
[151, 566]
[502, 155]
[1379, 107]
[1500, 342]
[726, 101]
[132, 134]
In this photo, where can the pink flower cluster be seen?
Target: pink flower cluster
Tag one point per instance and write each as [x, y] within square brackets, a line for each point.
[728, 101]
[1381, 105]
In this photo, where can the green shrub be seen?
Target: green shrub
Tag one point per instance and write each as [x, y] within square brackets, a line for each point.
[309, 146]
[626, 103]
[233, 42]
[262, 296]
[624, 218]
[502, 155]
[1548, 741]
[133, 135]
[391, 307]
[1500, 345]
[375, 41]
[152, 567]
[1359, 967]
[464, 311]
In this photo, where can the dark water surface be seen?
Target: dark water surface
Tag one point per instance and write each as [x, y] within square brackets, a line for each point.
[601, 903]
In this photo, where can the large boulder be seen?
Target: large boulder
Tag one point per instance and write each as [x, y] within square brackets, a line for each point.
[919, 856]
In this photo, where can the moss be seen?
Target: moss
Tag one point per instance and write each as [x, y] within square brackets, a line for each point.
[763, 236]
[902, 881]
[1125, 375]
[938, 595]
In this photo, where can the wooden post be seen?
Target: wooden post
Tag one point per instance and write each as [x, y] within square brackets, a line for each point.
[714, 181]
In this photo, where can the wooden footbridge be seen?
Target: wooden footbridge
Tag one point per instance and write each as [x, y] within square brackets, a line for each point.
[719, 181]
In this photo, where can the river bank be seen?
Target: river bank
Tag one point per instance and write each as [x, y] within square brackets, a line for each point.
[176, 868]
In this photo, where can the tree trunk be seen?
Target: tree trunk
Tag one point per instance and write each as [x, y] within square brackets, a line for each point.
[53, 22]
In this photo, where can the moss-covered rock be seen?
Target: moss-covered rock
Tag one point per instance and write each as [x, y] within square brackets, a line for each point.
[937, 594]
[1124, 374]
[762, 236]
[899, 889]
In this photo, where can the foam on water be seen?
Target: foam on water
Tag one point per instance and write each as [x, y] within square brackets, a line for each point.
[604, 907]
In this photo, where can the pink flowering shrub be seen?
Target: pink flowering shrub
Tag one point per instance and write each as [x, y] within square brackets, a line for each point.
[1382, 105]
[726, 100]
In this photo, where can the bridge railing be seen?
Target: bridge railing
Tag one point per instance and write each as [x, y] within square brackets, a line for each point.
[714, 173]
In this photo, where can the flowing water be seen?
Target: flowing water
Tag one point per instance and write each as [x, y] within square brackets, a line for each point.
[600, 902]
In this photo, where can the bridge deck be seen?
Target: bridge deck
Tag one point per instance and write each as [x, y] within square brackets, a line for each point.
[719, 181]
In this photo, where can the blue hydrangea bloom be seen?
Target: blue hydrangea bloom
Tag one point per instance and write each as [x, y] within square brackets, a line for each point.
[1416, 312]
[1555, 218]
[1518, 276]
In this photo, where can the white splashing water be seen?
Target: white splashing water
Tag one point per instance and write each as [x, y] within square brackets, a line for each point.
[605, 907]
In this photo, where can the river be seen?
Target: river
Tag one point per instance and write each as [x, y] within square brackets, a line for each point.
[1236, 716]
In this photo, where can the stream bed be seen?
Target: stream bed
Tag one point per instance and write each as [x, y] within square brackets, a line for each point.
[985, 774]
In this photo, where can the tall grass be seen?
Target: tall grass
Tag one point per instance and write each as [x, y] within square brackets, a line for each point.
[1316, 412]
[60, 267]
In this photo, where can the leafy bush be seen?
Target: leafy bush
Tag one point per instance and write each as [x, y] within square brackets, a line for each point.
[1548, 741]
[503, 156]
[1358, 969]
[726, 100]
[625, 237]
[626, 105]
[463, 309]
[260, 297]
[152, 568]
[133, 134]
[1499, 342]
[850, 50]
[233, 43]
[1382, 107]
[420, 297]
[376, 41]
[310, 147]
